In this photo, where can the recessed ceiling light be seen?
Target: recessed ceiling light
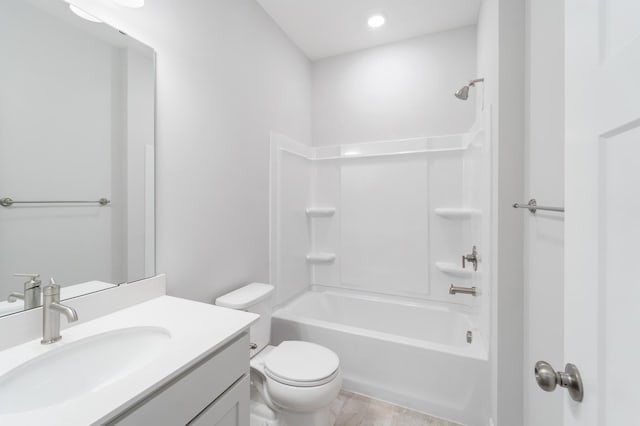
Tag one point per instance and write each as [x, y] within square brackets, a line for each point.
[130, 3]
[376, 21]
[84, 15]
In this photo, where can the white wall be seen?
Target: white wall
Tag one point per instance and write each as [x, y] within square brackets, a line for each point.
[133, 115]
[227, 75]
[140, 137]
[400, 90]
[544, 232]
[501, 63]
[523, 281]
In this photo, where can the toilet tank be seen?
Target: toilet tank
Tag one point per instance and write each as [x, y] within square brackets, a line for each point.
[256, 298]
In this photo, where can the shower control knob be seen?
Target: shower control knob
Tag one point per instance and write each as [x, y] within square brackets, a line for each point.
[548, 379]
[473, 258]
[253, 346]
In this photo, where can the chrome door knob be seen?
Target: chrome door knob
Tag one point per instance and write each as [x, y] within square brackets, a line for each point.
[546, 376]
[548, 379]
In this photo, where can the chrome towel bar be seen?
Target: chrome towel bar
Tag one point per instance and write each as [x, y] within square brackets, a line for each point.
[8, 202]
[533, 206]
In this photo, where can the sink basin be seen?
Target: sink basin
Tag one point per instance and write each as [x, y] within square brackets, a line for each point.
[80, 367]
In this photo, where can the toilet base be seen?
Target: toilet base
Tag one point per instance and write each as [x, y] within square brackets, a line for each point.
[262, 415]
[320, 418]
[256, 420]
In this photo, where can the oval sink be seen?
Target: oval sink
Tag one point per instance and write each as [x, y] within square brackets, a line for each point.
[80, 367]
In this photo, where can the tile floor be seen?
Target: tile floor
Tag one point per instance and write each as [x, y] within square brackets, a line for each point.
[351, 409]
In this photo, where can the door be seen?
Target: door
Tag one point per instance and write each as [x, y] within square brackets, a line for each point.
[602, 237]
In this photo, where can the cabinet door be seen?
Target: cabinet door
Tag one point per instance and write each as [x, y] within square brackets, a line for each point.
[179, 401]
[230, 409]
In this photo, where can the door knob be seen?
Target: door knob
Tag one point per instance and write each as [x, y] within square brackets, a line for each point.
[548, 378]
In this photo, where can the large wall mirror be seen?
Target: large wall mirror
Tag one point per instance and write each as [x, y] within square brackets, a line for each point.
[77, 119]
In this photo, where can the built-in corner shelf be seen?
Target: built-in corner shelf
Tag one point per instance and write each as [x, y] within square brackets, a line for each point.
[321, 211]
[321, 257]
[457, 213]
[454, 269]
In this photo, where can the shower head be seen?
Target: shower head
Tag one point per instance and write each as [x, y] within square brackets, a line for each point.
[464, 92]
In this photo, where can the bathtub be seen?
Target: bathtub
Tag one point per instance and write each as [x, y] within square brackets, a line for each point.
[413, 354]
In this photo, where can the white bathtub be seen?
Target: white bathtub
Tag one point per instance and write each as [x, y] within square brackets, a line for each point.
[410, 353]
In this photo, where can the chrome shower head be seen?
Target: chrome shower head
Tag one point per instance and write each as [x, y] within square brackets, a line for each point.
[464, 92]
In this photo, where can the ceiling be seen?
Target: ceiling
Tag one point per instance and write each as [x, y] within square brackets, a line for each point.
[323, 28]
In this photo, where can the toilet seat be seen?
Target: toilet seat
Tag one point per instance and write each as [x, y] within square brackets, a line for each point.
[301, 364]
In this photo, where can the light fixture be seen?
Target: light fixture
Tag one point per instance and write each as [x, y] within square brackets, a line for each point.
[376, 21]
[84, 15]
[130, 3]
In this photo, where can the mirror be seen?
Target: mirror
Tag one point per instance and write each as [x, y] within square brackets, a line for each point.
[77, 119]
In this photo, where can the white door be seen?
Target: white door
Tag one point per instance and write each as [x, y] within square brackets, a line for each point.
[602, 239]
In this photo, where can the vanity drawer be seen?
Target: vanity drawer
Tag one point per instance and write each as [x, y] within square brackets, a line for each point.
[179, 401]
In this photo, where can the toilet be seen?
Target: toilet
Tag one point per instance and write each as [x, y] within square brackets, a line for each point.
[292, 384]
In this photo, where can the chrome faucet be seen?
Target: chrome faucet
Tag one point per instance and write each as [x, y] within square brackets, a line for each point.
[473, 258]
[32, 295]
[51, 310]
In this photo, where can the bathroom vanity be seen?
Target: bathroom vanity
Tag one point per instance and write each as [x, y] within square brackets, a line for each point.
[164, 361]
[211, 390]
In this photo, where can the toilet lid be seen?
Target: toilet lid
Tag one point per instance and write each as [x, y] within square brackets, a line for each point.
[301, 364]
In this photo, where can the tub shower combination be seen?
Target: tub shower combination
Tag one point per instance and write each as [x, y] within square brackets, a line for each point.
[366, 242]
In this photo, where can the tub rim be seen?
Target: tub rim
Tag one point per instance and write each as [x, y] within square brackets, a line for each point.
[476, 351]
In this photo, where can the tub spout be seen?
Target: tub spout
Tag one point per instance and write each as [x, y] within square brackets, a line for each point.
[463, 290]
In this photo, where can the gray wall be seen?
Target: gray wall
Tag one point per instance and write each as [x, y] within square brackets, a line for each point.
[399, 90]
[544, 180]
[227, 76]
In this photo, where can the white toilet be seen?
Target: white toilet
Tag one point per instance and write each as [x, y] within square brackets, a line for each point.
[292, 384]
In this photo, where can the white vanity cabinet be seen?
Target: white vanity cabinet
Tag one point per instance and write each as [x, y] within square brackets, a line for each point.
[230, 409]
[214, 391]
[164, 362]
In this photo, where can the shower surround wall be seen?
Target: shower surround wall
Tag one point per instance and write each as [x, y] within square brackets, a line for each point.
[388, 218]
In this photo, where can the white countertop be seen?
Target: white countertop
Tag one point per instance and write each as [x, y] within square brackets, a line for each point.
[197, 330]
